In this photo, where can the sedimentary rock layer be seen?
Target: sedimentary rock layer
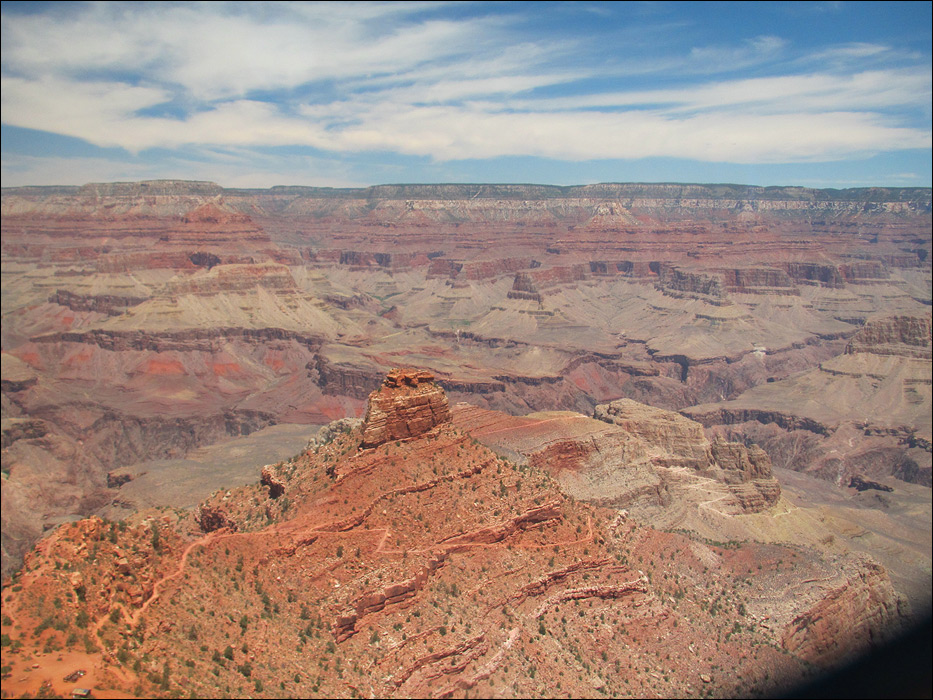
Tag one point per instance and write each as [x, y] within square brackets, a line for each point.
[408, 404]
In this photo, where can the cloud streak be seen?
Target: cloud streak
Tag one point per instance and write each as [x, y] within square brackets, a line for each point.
[434, 81]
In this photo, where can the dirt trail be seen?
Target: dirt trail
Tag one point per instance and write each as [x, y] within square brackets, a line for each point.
[529, 422]
[157, 587]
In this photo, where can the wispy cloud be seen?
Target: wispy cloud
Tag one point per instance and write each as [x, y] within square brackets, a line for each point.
[443, 82]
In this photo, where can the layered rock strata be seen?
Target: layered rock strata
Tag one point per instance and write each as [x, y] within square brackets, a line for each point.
[904, 336]
[408, 404]
[856, 617]
[630, 455]
[680, 442]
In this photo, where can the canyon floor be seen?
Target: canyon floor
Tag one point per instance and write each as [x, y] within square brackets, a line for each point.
[161, 340]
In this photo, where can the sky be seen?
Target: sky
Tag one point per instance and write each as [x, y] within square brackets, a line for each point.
[824, 94]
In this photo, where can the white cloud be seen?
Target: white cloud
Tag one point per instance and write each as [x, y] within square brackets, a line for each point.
[781, 94]
[449, 132]
[729, 58]
[356, 77]
[215, 53]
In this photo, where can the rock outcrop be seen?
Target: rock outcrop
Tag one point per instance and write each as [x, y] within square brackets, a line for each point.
[269, 476]
[669, 433]
[408, 404]
[856, 617]
[676, 441]
[524, 288]
[630, 456]
[210, 518]
[903, 336]
[676, 282]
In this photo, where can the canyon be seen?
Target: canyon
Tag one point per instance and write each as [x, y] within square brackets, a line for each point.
[720, 363]
[417, 562]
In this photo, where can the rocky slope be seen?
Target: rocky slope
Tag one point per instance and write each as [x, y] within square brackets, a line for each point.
[631, 455]
[425, 566]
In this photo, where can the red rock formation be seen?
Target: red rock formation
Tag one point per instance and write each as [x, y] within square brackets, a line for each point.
[443, 566]
[815, 274]
[269, 477]
[759, 280]
[867, 272]
[210, 518]
[856, 617]
[211, 213]
[408, 404]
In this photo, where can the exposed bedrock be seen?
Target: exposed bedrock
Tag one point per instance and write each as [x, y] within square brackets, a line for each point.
[670, 432]
[855, 618]
[48, 478]
[101, 303]
[676, 441]
[865, 412]
[904, 336]
[23, 429]
[815, 274]
[722, 415]
[837, 456]
[408, 404]
[193, 339]
[560, 274]
[57, 468]
[677, 282]
[861, 484]
[629, 455]
[385, 261]
[270, 477]
[759, 280]
[236, 278]
[723, 378]
[210, 518]
[341, 379]
[864, 272]
[116, 439]
[524, 288]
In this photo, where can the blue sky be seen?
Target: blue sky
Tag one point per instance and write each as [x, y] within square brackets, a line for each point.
[260, 94]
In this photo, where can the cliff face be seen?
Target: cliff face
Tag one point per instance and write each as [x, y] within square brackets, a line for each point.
[677, 441]
[674, 281]
[854, 618]
[408, 404]
[669, 433]
[632, 456]
[905, 336]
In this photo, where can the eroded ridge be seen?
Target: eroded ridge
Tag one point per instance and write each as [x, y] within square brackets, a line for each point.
[429, 566]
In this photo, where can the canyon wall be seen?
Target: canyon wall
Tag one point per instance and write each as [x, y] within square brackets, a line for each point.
[138, 317]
